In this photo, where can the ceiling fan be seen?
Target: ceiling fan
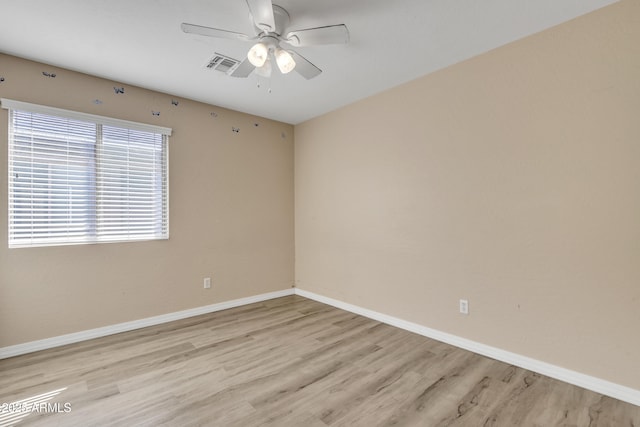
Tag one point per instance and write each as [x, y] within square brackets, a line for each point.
[271, 22]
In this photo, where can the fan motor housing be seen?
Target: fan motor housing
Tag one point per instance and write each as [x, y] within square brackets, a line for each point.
[281, 19]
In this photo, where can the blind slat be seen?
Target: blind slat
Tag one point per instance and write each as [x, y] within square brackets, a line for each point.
[74, 181]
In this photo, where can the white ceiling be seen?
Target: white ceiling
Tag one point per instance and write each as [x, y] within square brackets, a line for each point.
[139, 42]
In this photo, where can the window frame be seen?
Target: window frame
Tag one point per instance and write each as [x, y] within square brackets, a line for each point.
[98, 122]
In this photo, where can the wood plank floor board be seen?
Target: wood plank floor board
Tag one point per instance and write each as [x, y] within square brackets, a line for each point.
[290, 362]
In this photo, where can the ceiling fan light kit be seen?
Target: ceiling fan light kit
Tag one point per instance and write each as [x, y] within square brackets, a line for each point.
[261, 52]
[265, 70]
[285, 61]
[271, 22]
[258, 54]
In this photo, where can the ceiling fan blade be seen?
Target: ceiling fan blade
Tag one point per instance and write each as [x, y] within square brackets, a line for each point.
[262, 13]
[333, 34]
[305, 68]
[212, 32]
[244, 69]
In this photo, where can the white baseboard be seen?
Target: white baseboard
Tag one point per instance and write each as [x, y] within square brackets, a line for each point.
[598, 385]
[29, 347]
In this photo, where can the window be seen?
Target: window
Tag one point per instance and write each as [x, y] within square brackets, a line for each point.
[78, 178]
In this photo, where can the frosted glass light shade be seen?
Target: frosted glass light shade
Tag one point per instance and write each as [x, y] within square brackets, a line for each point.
[285, 61]
[265, 70]
[258, 54]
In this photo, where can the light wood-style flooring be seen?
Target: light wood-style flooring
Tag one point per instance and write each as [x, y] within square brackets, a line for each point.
[288, 362]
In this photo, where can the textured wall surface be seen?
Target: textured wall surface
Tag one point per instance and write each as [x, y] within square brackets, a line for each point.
[510, 179]
[231, 216]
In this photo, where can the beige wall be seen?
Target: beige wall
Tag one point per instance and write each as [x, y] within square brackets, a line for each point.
[231, 216]
[511, 179]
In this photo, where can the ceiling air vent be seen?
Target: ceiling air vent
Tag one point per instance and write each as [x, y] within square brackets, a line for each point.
[222, 63]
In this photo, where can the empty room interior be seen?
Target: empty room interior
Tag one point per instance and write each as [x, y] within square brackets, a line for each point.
[364, 213]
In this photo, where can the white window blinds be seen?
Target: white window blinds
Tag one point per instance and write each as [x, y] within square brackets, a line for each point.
[76, 178]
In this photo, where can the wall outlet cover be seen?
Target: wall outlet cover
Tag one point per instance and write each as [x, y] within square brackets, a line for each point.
[464, 306]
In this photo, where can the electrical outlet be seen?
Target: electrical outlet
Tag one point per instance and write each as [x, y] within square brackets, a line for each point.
[207, 282]
[464, 306]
